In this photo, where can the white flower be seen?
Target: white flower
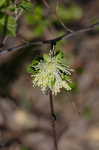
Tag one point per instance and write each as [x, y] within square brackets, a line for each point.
[51, 73]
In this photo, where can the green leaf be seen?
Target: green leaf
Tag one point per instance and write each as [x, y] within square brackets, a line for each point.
[2, 18]
[12, 7]
[36, 17]
[59, 55]
[11, 27]
[71, 13]
[2, 2]
[39, 30]
[29, 69]
[35, 62]
[74, 86]
[26, 5]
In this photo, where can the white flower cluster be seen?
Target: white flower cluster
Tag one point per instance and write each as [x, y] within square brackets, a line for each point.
[50, 74]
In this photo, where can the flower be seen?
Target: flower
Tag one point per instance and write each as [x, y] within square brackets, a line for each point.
[51, 73]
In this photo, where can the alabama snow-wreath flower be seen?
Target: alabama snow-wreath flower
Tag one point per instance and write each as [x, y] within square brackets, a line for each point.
[50, 73]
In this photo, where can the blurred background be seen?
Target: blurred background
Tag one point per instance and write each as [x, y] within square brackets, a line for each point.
[24, 111]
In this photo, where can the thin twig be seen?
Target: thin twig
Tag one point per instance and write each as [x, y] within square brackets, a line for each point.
[54, 11]
[46, 4]
[59, 19]
[53, 119]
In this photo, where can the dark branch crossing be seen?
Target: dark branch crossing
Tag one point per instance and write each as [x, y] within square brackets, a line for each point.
[51, 41]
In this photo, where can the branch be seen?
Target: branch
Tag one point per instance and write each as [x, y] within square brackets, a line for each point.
[53, 119]
[51, 41]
